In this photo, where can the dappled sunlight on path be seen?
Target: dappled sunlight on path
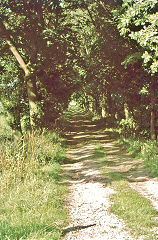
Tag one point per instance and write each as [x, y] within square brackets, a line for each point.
[88, 200]
[91, 150]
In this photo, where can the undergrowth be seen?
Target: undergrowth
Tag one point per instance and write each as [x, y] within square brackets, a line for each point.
[5, 130]
[31, 197]
[147, 150]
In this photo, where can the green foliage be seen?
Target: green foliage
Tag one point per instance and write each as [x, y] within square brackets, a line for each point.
[138, 20]
[74, 50]
[132, 145]
[95, 118]
[50, 148]
[147, 150]
[13, 93]
[44, 34]
[128, 126]
[5, 130]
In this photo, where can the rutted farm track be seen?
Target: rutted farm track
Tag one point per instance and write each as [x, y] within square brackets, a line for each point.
[88, 201]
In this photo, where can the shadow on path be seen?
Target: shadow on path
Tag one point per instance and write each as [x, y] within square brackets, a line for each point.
[83, 160]
[90, 150]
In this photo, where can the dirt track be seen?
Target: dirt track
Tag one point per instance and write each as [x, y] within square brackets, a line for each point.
[88, 201]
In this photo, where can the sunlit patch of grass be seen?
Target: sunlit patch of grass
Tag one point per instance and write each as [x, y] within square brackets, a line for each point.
[136, 211]
[95, 118]
[112, 130]
[99, 151]
[33, 208]
[31, 197]
[115, 176]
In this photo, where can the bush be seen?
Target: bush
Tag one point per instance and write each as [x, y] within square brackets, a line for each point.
[133, 146]
[147, 150]
[128, 127]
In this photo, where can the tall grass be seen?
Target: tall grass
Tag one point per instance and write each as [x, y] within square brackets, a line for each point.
[31, 197]
[5, 130]
[147, 150]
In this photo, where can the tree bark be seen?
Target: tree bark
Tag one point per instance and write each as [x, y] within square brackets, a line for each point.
[32, 98]
[126, 111]
[103, 107]
[109, 103]
[152, 113]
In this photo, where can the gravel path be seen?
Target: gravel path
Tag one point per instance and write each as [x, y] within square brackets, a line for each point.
[88, 201]
[149, 189]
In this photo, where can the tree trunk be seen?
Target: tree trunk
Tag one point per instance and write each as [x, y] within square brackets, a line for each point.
[97, 106]
[152, 114]
[30, 84]
[32, 98]
[126, 111]
[103, 107]
[109, 104]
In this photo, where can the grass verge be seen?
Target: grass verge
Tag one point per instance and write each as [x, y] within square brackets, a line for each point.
[31, 197]
[146, 150]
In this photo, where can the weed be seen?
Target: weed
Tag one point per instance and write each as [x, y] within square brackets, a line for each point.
[133, 146]
[95, 118]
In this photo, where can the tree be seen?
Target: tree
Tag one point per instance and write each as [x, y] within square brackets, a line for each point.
[138, 20]
[44, 43]
[30, 86]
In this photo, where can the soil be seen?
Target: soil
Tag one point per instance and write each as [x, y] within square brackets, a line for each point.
[88, 201]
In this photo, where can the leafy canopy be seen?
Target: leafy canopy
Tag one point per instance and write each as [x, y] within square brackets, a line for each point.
[138, 20]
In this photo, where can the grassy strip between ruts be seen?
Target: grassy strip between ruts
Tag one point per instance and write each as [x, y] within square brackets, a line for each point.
[134, 209]
[31, 197]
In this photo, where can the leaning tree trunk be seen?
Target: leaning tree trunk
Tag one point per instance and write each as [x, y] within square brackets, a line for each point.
[30, 84]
